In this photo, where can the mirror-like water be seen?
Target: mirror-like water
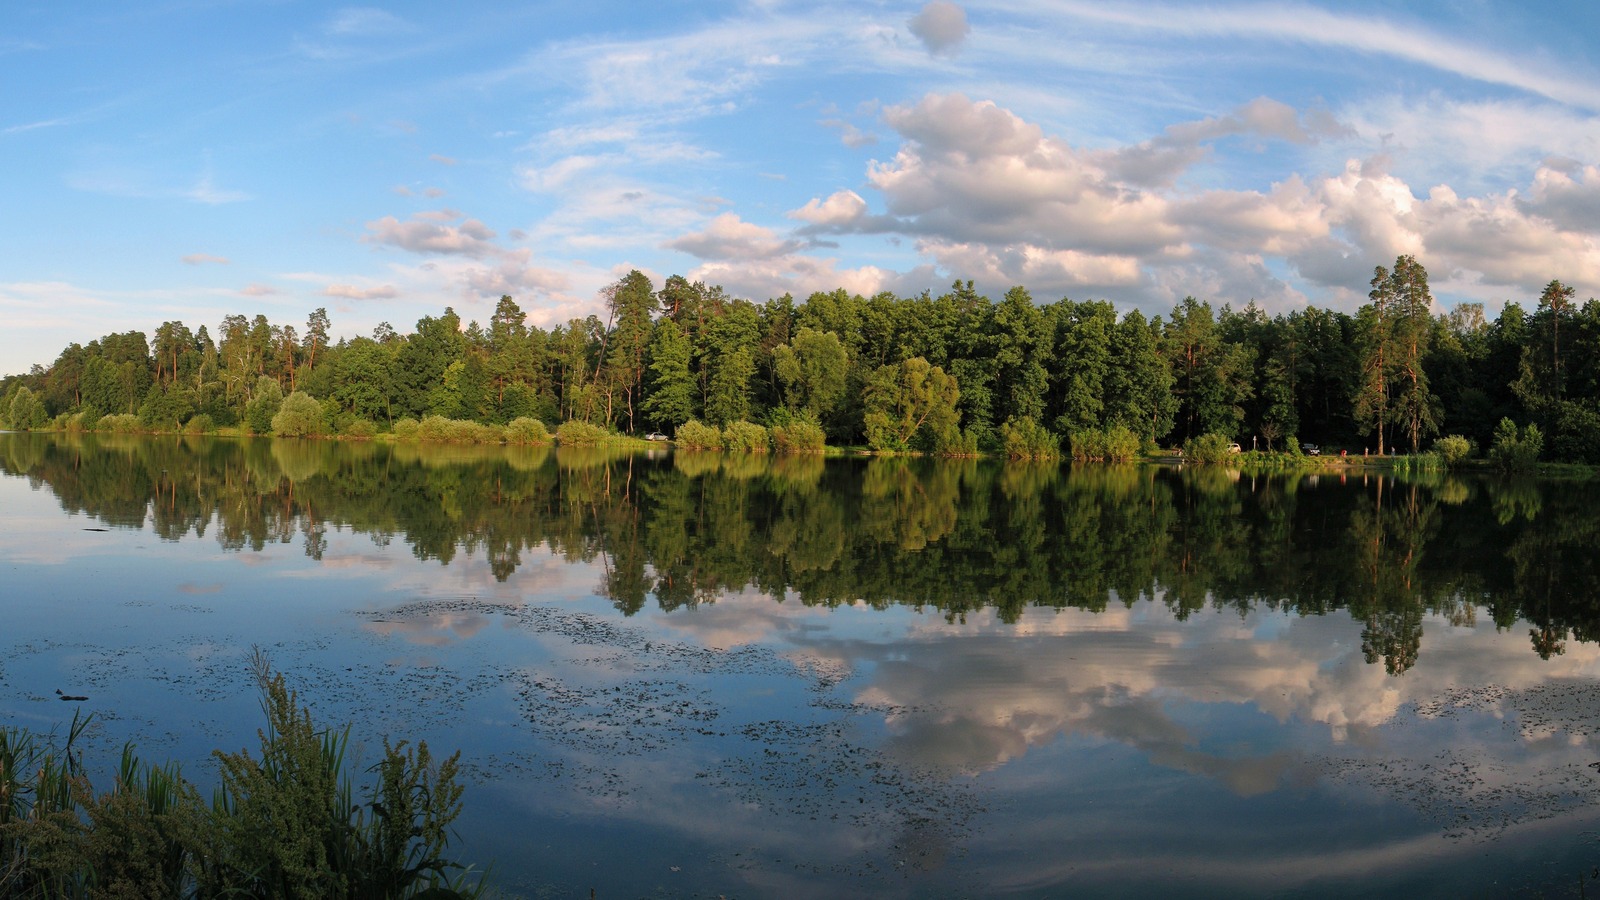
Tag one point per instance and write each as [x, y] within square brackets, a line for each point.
[704, 674]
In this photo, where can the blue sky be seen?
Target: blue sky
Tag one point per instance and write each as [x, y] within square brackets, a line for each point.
[189, 159]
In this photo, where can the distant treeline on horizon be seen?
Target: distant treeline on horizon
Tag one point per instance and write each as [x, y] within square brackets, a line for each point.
[923, 372]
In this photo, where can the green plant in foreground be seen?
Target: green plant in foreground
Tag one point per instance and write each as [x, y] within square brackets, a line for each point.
[283, 824]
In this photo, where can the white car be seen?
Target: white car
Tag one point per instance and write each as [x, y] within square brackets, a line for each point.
[655, 436]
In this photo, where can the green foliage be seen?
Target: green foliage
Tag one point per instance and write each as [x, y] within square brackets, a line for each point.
[693, 435]
[798, 437]
[1115, 443]
[284, 824]
[952, 441]
[199, 424]
[1419, 462]
[1514, 451]
[1026, 439]
[813, 369]
[163, 409]
[27, 413]
[1453, 450]
[300, 415]
[575, 433]
[1089, 443]
[1209, 448]
[407, 429]
[121, 423]
[359, 430]
[854, 365]
[903, 399]
[1575, 433]
[438, 429]
[746, 436]
[263, 406]
[526, 430]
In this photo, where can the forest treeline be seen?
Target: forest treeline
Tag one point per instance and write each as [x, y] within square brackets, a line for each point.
[957, 536]
[948, 373]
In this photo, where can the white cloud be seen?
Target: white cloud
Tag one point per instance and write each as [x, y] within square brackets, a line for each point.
[941, 26]
[1565, 193]
[355, 292]
[795, 274]
[364, 21]
[841, 210]
[971, 171]
[1476, 144]
[989, 196]
[350, 33]
[1160, 161]
[1301, 24]
[558, 174]
[197, 259]
[850, 135]
[727, 237]
[428, 233]
[206, 191]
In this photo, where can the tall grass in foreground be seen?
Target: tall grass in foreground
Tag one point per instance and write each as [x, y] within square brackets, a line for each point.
[283, 824]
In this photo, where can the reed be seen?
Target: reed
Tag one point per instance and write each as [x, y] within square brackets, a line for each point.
[284, 823]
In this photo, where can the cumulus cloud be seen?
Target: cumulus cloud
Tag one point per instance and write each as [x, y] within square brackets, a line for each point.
[1478, 145]
[442, 231]
[469, 258]
[727, 237]
[513, 275]
[842, 209]
[754, 261]
[1566, 194]
[198, 259]
[941, 26]
[987, 195]
[850, 135]
[973, 172]
[795, 274]
[1158, 162]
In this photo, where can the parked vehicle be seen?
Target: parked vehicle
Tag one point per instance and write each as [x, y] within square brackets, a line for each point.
[1235, 448]
[655, 436]
[1311, 449]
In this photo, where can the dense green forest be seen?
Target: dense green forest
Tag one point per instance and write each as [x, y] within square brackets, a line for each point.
[927, 372]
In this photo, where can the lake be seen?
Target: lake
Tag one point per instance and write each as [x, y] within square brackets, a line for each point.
[684, 674]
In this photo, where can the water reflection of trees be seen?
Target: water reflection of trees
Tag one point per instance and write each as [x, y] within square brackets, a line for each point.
[952, 536]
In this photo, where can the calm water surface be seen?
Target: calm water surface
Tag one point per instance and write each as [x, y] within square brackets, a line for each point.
[695, 675]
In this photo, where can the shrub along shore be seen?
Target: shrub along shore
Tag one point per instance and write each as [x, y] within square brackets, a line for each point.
[1513, 450]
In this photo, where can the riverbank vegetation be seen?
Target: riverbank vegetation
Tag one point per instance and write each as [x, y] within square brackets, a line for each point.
[283, 823]
[953, 374]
